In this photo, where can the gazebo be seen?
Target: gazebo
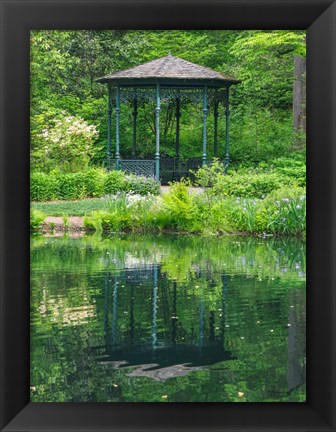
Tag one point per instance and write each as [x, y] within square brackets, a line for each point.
[166, 79]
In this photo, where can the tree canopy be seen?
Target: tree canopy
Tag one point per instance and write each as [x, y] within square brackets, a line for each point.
[65, 65]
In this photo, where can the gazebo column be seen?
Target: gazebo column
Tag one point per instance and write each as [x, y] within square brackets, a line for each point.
[135, 114]
[216, 103]
[117, 142]
[157, 133]
[109, 112]
[205, 112]
[177, 141]
[227, 116]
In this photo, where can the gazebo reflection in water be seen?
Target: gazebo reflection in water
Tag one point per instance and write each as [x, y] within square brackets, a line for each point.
[158, 341]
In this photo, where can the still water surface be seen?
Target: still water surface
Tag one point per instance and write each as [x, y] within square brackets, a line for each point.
[168, 319]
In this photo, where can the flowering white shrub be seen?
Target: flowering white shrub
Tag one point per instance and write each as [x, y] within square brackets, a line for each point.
[66, 142]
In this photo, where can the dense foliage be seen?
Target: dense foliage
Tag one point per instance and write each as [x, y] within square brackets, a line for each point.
[282, 212]
[69, 132]
[65, 65]
[89, 183]
[261, 307]
[264, 200]
[36, 220]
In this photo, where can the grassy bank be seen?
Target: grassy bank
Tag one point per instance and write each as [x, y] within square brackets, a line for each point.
[82, 207]
[262, 200]
[281, 212]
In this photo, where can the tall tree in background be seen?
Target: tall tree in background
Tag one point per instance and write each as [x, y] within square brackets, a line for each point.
[65, 65]
[299, 101]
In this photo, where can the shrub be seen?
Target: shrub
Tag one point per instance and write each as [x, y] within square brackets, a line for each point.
[70, 186]
[94, 182]
[43, 187]
[36, 220]
[142, 185]
[291, 168]
[248, 185]
[212, 214]
[114, 182]
[247, 182]
[208, 175]
[284, 212]
[63, 141]
[281, 213]
[178, 202]
[90, 183]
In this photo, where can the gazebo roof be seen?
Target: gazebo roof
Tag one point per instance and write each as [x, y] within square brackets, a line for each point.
[169, 69]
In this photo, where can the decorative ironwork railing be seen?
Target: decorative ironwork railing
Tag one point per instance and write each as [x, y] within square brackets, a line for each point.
[187, 95]
[171, 169]
[138, 167]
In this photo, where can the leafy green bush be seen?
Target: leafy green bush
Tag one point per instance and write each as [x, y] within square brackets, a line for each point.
[36, 220]
[248, 185]
[142, 185]
[113, 222]
[208, 175]
[43, 187]
[291, 168]
[251, 182]
[87, 184]
[94, 182]
[178, 203]
[70, 186]
[114, 181]
[284, 212]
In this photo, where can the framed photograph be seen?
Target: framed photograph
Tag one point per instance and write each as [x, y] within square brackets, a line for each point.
[187, 307]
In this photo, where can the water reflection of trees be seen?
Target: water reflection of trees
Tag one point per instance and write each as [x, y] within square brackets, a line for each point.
[193, 300]
[168, 336]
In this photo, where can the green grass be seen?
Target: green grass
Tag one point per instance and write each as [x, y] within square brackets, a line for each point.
[70, 208]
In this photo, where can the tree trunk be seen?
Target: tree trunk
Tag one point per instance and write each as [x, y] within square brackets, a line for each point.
[299, 102]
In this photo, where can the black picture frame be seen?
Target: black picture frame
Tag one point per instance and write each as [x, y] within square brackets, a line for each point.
[17, 19]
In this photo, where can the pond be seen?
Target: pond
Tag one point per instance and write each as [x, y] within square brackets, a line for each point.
[167, 319]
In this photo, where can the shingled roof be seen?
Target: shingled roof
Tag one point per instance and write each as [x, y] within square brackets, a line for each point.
[169, 67]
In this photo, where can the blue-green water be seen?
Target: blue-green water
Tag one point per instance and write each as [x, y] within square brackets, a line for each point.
[168, 319]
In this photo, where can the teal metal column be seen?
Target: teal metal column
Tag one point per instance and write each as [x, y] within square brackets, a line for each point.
[135, 113]
[227, 115]
[205, 112]
[157, 133]
[177, 139]
[109, 112]
[215, 127]
[117, 143]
